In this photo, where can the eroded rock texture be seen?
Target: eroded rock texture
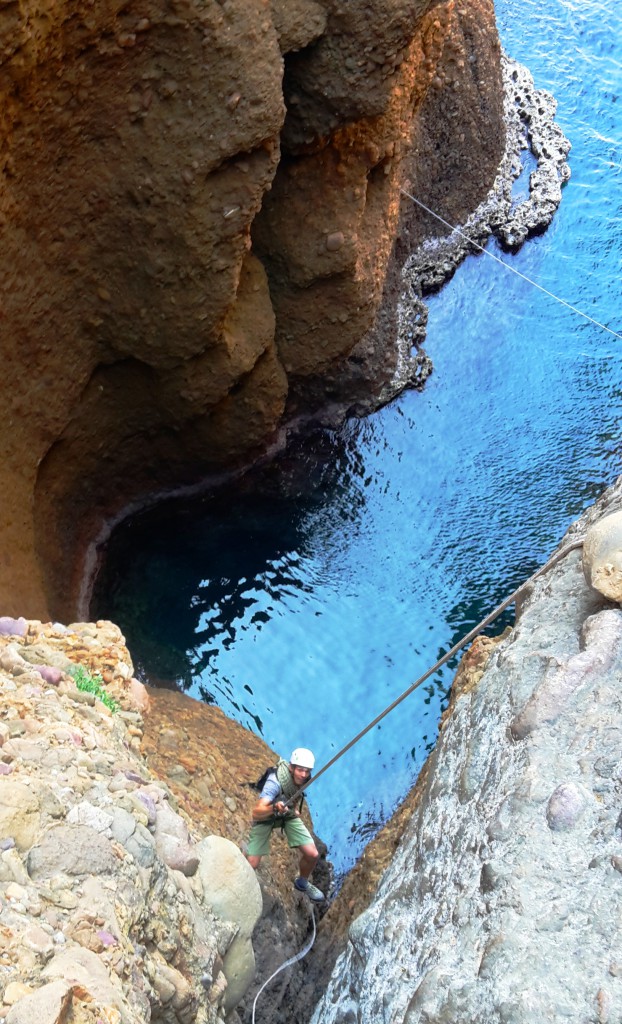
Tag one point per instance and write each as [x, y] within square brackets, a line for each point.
[115, 906]
[502, 904]
[198, 207]
[123, 811]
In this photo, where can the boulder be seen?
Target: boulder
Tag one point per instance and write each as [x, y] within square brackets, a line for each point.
[602, 556]
[232, 890]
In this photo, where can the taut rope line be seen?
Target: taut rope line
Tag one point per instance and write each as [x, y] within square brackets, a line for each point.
[507, 265]
[454, 650]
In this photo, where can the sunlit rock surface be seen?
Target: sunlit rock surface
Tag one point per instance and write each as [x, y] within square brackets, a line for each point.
[602, 556]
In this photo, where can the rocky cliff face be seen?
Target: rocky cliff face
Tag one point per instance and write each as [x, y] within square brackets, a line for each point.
[198, 208]
[503, 902]
[124, 895]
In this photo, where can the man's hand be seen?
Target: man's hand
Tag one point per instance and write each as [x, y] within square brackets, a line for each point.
[262, 811]
[281, 807]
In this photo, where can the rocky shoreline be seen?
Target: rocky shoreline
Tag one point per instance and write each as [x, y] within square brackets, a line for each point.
[509, 213]
[529, 116]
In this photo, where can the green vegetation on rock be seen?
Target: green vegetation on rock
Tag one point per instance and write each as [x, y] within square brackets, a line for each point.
[93, 684]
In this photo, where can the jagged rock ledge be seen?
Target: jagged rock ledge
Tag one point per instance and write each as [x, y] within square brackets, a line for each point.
[503, 901]
[530, 128]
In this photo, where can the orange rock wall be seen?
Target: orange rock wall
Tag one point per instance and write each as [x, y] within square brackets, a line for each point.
[198, 206]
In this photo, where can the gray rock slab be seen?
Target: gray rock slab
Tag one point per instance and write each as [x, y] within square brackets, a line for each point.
[72, 850]
[45, 1006]
[41, 654]
[142, 846]
[123, 825]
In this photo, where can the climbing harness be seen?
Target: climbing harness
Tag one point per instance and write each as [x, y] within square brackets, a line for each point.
[553, 560]
[507, 266]
[292, 960]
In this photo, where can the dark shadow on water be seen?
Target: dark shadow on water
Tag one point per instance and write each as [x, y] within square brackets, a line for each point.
[179, 579]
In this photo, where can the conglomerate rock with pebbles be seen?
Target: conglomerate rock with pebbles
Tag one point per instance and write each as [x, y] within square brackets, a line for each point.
[109, 908]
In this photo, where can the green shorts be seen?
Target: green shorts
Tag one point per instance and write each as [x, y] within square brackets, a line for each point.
[259, 839]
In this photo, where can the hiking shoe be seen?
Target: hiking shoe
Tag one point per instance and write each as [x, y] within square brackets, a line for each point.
[312, 891]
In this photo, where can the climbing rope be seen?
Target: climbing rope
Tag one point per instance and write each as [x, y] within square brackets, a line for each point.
[507, 265]
[292, 960]
[454, 650]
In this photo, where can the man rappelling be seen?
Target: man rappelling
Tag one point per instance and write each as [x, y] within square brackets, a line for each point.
[274, 810]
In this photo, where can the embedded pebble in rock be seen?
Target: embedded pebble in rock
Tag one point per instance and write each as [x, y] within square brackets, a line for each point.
[602, 556]
[49, 674]
[600, 643]
[15, 990]
[97, 919]
[173, 840]
[149, 804]
[12, 627]
[20, 812]
[565, 807]
[48, 1005]
[335, 241]
[96, 818]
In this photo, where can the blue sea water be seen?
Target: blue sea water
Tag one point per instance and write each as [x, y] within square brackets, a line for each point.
[307, 598]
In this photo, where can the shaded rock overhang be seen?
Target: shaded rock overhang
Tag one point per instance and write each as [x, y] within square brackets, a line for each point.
[199, 207]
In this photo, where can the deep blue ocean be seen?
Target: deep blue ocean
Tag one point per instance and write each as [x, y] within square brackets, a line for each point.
[308, 596]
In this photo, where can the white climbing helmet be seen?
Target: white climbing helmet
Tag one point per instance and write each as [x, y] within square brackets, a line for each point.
[303, 758]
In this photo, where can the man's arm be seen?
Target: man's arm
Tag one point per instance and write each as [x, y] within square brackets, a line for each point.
[270, 800]
[263, 809]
